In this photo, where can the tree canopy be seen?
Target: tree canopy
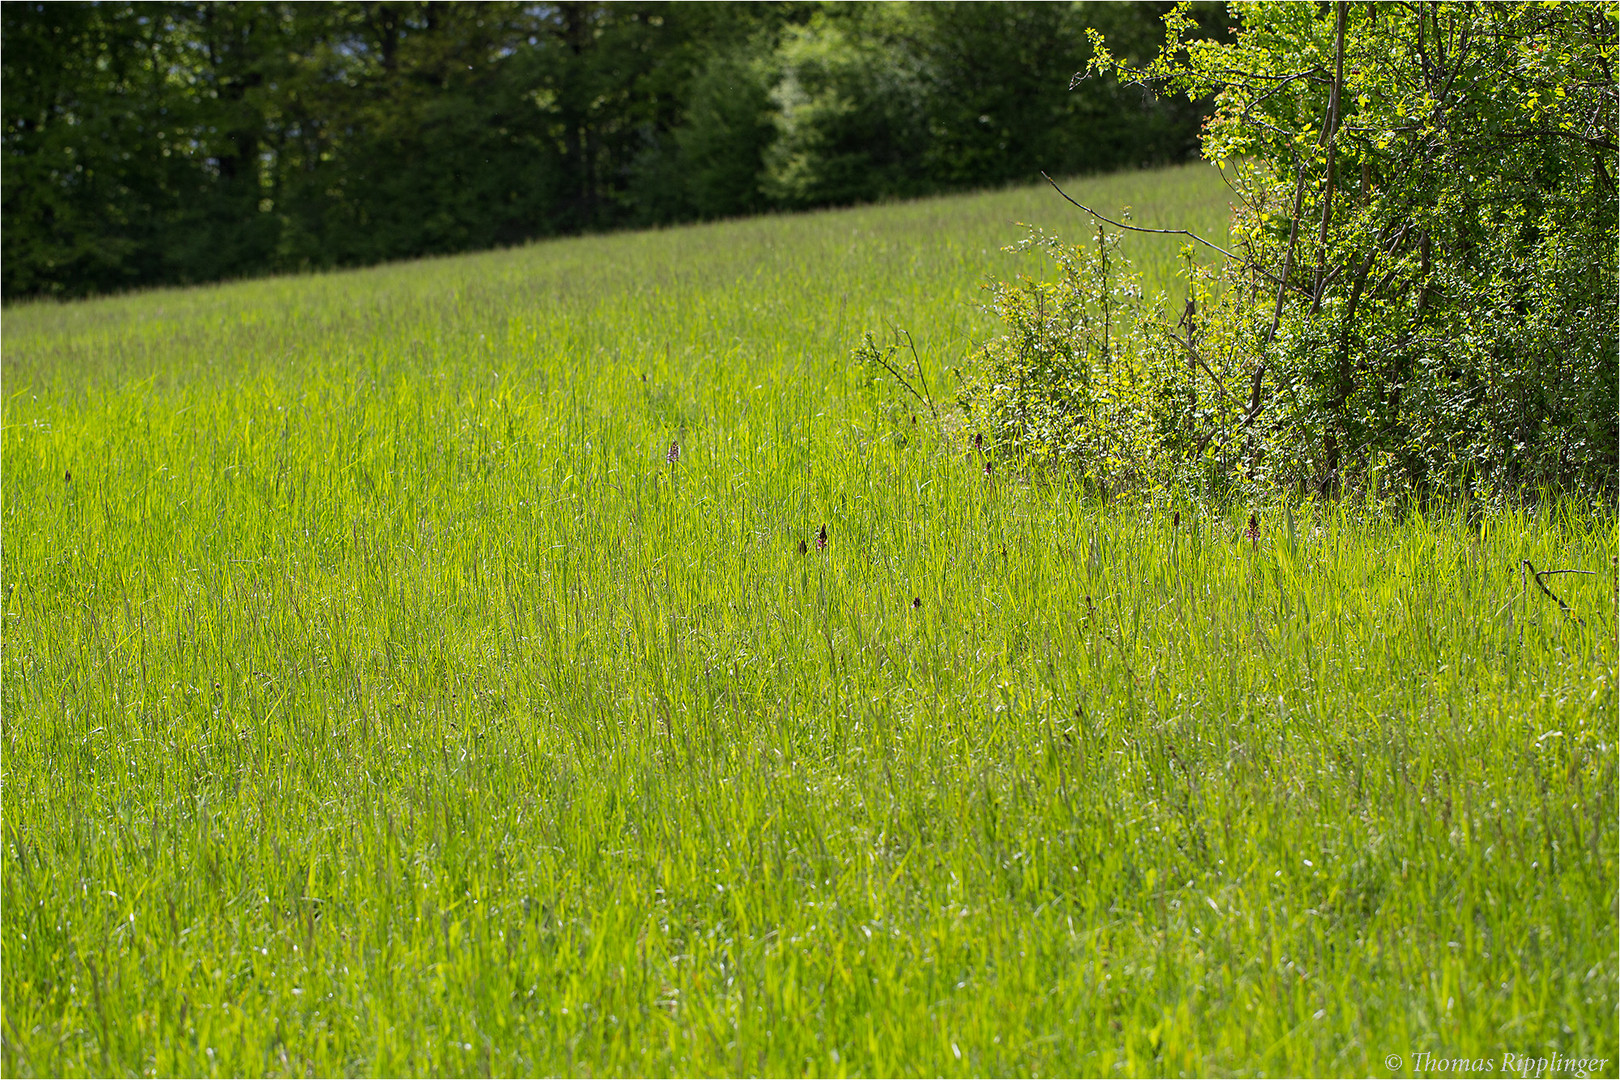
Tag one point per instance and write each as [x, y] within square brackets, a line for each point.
[150, 143]
[1421, 287]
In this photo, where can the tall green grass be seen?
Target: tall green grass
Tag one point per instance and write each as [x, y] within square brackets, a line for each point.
[379, 698]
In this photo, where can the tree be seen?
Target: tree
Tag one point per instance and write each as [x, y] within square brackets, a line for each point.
[1427, 224]
[153, 143]
[878, 101]
[86, 175]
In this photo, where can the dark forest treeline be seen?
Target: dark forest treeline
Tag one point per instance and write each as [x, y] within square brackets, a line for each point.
[150, 143]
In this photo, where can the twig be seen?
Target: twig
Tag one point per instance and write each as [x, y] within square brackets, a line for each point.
[1288, 257]
[1254, 394]
[1164, 232]
[921, 377]
[877, 354]
[1539, 574]
[1329, 141]
[1185, 343]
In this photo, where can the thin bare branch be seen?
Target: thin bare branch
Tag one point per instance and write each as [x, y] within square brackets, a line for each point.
[1329, 142]
[1542, 585]
[1192, 352]
[921, 377]
[1159, 232]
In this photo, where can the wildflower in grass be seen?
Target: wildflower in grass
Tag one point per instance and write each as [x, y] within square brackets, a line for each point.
[821, 539]
[674, 454]
[978, 441]
[987, 470]
[802, 548]
[1253, 531]
[916, 602]
[1175, 520]
[67, 477]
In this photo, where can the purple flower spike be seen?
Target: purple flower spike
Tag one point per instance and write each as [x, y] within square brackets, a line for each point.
[674, 454]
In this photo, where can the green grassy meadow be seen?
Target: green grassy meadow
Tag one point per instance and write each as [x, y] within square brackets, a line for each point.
[378, 698]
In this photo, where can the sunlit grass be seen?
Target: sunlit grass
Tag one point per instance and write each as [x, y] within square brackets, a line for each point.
[378, 698]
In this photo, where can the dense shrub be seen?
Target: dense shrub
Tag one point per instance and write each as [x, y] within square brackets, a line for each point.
[1078, 376]
[1424, 294]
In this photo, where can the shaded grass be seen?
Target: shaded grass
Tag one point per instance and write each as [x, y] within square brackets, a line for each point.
[378, 699]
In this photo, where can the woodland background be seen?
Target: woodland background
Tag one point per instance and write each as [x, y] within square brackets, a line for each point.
[159, 143]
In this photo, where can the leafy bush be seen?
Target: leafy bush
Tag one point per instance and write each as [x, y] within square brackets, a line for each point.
[1093, 376]
[1076, 375]
[1423, 291]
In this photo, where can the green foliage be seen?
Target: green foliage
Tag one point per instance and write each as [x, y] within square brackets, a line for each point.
[721, 143]
[899, 99]
[1091, 376]
[183, 142]
[1427, 230]
[1075, 376]
[79, 111]
[849, 115]
[990, 70]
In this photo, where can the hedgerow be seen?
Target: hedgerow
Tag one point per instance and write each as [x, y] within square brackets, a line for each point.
[1418, 294]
